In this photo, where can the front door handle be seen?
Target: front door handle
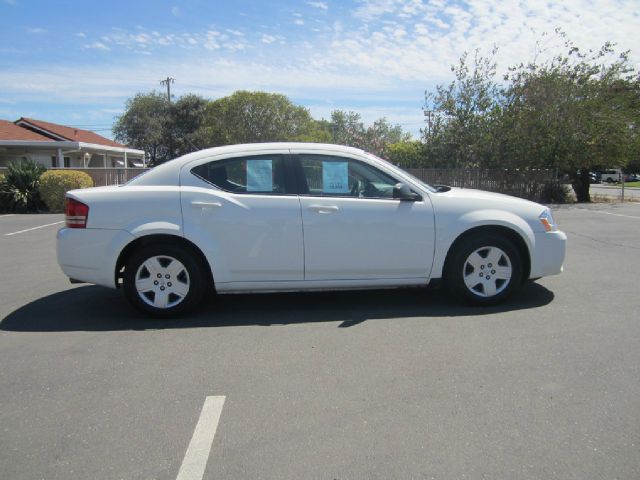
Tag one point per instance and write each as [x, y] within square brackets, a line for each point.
[206, 204]
[324, 208]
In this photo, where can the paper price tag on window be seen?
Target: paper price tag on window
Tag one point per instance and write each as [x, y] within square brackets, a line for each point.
[259, 175]
[335, 177]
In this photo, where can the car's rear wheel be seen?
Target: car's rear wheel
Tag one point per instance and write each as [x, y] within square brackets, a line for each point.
[163, 280]
[484, 270]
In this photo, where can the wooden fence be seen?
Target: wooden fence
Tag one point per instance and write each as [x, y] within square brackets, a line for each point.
[530, 184]
[102, 176]
[108, 176]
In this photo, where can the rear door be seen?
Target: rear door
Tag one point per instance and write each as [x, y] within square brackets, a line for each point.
[239, 210]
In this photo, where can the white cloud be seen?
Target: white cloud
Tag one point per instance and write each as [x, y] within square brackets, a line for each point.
[318, 5]
[298, 21]
[175, 11]
[81, 35]
[384, 53]
[36, 30]
[10, 2]
[97, 46]
[211, 42]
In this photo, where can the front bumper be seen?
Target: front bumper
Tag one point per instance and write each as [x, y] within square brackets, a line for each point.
[90, 254]
[549, 253]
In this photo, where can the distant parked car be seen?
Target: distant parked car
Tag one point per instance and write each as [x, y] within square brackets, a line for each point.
[634, 177]
[295, 216]
[613, 175]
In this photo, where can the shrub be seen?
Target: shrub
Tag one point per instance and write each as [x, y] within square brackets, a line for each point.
[19, 192]
[554, 192]
[54, 184]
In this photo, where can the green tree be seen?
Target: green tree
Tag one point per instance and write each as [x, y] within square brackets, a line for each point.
[348, 129]
[186, 116]
[460, 116]
[163, 130]
[144, 125]
[252, 117]
[573, 113]
[408, 154]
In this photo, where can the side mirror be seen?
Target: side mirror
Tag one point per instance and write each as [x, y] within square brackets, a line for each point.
[404, 193]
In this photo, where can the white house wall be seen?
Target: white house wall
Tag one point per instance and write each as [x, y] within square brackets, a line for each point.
[44, 157]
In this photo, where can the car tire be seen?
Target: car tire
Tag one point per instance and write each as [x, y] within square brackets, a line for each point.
[164, 280]
[484, 269]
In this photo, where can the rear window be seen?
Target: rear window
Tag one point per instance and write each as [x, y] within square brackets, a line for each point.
[256, 174]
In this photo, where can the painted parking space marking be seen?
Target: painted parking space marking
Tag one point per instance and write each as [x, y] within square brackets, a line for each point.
[608, 213]
[34, 228]
[8, 215]
[195, 459]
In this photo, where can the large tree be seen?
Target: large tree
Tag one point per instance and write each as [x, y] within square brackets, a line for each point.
[164, 130]
[576, 112]
[252, 117]
[407, 154]
[460, 115]
[348, 129]
[143, 125]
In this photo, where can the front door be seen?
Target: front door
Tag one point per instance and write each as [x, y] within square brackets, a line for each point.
[353, 227]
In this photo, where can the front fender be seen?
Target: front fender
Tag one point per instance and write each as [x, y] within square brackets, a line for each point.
[448, 231]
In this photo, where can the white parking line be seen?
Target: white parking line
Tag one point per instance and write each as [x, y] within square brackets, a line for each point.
[34, 228]
[7, 215]
[195, 459]
[608, 213]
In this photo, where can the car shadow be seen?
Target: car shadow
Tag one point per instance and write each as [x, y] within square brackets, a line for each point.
[92, 308]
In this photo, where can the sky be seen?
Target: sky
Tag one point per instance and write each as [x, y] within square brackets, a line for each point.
[77, 62]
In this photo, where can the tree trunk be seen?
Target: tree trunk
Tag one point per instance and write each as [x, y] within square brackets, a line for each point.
[580, 182]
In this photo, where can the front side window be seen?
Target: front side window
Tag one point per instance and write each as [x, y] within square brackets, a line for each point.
[257, 174]
[328, 176]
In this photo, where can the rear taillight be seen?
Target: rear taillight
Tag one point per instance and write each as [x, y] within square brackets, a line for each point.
[76, 213]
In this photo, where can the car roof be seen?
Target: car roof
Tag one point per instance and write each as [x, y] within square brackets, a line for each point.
[167, 172]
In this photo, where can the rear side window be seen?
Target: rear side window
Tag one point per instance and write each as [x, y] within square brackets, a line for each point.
[262, 174]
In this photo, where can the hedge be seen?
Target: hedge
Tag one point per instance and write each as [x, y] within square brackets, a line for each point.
[54, 184]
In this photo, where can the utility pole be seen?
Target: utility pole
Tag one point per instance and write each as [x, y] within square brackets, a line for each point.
[168, 81]
[428, 114]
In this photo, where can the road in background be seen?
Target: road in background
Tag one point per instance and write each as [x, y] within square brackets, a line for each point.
[377, 385]
[611, 191]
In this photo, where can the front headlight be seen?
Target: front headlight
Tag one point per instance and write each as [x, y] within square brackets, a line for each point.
[547, 221]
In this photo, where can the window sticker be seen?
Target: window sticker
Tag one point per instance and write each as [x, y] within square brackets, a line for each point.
[259, 175]
[335, 177]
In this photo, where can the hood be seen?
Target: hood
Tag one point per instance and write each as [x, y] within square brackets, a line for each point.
[467, 199]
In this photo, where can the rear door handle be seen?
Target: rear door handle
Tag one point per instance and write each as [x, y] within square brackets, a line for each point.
[206, 204]
[324, 208]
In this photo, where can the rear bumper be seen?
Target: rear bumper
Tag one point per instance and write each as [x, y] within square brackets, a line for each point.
[90, 254]
[549, 253]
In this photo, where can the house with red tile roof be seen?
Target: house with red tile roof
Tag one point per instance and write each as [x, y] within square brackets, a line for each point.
[60, 146]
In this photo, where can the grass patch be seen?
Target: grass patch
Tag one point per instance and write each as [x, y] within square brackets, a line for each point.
[596, 198]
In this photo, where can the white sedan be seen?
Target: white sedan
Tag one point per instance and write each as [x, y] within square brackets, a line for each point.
[292, 217]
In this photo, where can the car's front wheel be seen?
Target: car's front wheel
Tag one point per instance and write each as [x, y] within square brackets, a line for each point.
[163, 280]
[484, 270]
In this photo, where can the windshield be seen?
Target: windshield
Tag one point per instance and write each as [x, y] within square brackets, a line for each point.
[403, 172]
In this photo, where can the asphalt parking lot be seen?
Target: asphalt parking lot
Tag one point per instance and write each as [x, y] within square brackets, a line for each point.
[350, 385]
